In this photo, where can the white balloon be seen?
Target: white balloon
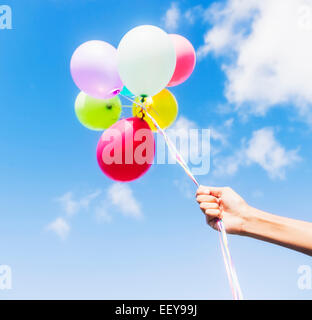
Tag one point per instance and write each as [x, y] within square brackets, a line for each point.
[146, 60]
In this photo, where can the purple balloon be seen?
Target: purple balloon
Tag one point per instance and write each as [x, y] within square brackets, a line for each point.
[93, 67]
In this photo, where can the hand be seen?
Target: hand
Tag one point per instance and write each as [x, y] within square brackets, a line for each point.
[225, 204]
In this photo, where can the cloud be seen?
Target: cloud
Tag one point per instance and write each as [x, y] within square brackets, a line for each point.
[227, 166]
[118, 195]
[218, 135]
[122, 197]
[262, 149]
[71, 206]
[266, 151]
[101, 212]
[194, 13]
[172, 17]
[60, 227]
[267, 49]
[184, 123]
[229, 123]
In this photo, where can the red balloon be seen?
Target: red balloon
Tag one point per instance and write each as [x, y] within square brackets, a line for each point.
[126, 150]
[186, 60]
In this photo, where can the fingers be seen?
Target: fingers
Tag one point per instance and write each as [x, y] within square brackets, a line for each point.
[213, 215]
[213, 223]
[211, 210]
[214, 191]
[203, 190]
[209, 205]
[206, 198]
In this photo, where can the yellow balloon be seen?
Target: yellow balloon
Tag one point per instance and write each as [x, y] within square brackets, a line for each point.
[163, 107]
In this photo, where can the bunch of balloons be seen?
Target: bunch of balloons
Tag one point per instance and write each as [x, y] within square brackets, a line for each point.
[146, 61]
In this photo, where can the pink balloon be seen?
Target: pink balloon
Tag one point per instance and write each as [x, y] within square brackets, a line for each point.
[93, 67]
[186, 59]
[126, 150]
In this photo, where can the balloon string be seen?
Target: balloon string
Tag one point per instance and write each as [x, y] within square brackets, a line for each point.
[229, 266]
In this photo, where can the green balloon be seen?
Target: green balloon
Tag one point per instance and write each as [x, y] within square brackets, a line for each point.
[97, 114]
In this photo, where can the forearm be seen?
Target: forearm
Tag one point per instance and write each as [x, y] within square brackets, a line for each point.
[290, 233]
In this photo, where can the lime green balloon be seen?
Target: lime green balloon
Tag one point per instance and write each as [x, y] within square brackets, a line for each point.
[97, 114]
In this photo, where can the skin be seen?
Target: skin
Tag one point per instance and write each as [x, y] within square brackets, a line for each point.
[242, 219]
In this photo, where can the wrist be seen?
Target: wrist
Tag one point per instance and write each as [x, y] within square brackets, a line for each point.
[251, 220]
[259, 224]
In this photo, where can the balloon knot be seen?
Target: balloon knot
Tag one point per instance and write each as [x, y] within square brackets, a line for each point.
[140, 113]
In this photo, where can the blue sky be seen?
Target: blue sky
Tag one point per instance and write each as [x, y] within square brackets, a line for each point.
[250, 86]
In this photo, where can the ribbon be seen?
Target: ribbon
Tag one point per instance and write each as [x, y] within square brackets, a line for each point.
[229, 265]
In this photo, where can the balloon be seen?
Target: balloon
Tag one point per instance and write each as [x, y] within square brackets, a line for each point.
[97, 114]
[126, 150]
[163, 107]
[94, 69]
[186, 59]
[126, 92]
[146, 60]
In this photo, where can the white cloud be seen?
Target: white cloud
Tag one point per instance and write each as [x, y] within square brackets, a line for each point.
[229, 123]
[262, 149]
[101, 212]
[268, 49]
[227, 166]
[266, 151]
[192, 14]
[172, 17]
[68, 204]
[184, 123]
[218, 135]
[60, 227]
[71, 206]
[121, 196]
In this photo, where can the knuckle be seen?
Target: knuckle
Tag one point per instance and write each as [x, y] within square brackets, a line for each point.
[214, 199]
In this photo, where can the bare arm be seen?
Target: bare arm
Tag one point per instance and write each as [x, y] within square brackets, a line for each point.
[242, 219]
